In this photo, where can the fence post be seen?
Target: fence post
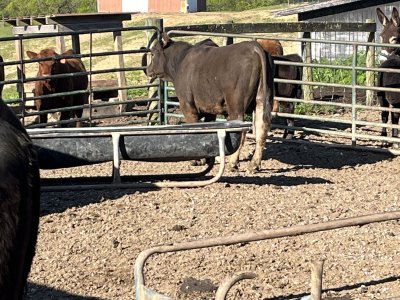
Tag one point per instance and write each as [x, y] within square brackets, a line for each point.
[307, 71]
[154, 91]
[122, 94]
[370, 63]
[60, 44]
[316, 279]
[228, 40]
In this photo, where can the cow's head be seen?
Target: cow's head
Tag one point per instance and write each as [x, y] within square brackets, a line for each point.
[47, 67]
[158, 66]
[391, 29]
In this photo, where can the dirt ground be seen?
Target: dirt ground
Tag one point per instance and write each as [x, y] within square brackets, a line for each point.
[89, 240]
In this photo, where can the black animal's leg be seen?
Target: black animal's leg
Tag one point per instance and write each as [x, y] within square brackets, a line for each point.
[289, 108]
[395, 121]
[43, 118]
[65, 115]
[384, 114]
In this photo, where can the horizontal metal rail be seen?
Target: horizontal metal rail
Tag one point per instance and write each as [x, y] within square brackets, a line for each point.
[142, 291]
[354, 124]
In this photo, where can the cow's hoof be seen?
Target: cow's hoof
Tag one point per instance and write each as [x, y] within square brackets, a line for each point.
[253, 168]
[198, 162]
[386, 145]
[233, 168]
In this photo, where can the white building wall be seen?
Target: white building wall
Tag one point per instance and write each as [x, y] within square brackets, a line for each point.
[135, 5]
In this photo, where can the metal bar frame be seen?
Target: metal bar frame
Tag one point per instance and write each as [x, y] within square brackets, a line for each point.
[355, 124]
[145, 293]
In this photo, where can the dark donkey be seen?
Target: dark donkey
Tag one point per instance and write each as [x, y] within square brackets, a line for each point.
[210, 81]
[19, 203]
[60, 65]
[390, 34]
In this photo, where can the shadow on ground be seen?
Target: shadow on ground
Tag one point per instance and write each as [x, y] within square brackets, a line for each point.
[311, 155]
[42, 292]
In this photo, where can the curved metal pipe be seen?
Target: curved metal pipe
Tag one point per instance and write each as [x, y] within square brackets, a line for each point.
[227, 284]
[255, 236]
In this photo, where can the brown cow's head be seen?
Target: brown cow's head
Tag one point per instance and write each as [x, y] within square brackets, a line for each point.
[47, 67]
[158, 65]
[391, 29]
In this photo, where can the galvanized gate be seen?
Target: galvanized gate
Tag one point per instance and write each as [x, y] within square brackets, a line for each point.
[353, 122]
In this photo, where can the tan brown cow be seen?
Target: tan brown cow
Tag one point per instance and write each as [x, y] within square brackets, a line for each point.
[59, 65]
[19, 202]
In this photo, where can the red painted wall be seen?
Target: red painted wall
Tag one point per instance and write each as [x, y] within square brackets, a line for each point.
[109, 6]
[165, 5]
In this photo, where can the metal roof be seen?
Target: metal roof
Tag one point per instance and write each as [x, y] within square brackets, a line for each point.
[67, 18]
[332, 7]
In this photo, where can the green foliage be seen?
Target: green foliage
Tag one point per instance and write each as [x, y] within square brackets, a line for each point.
[340, 76]
[309, 109]
[18, 8]
[239, 5]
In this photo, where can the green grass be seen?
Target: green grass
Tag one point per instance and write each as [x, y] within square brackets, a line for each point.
[5, 31]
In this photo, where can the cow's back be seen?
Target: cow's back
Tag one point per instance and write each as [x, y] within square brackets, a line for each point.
[273, 47]
[213, 74]
[19, 204]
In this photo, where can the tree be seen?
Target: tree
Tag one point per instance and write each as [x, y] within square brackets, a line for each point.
[19, 8]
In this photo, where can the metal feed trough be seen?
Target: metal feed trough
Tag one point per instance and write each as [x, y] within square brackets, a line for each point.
[67, 147]
[145, 293]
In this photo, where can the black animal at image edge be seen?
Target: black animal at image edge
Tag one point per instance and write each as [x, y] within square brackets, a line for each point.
[390, 34]
[19, 203]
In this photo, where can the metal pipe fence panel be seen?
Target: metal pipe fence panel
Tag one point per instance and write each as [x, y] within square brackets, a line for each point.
[339, 112]
[117, 90]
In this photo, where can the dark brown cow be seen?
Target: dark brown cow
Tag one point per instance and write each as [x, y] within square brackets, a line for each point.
[59, 65]
[390, 34]
[19, 203]
[288, 90]
[211, 81]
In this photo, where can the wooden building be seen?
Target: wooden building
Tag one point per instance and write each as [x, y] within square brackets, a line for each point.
[358, 11]
[151, 5]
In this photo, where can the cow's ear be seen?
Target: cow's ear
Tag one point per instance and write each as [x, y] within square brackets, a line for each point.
[381, 16]
[395, 17]
[165, 40]
[31, 54]
[68, 53]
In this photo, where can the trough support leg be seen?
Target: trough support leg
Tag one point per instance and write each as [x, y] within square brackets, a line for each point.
[116, 161]
[228, 283]
[316, 279]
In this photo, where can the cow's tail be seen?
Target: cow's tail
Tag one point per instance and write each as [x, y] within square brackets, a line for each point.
[266, 82]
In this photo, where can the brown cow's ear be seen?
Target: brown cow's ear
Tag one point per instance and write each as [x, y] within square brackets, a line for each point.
[68, 53]
[165, 40]
[31, 54]
[395, 17]
[381, 16]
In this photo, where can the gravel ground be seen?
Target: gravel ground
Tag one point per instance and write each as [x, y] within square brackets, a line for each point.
[89, 240]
